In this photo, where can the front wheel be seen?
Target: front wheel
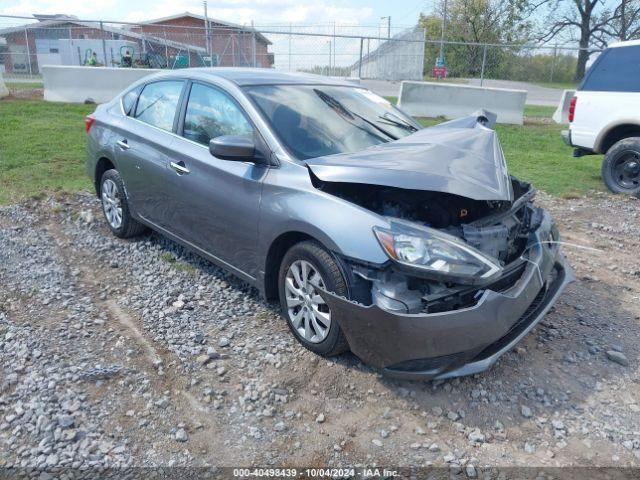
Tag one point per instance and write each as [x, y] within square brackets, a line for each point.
[306, 268]
[621, 167]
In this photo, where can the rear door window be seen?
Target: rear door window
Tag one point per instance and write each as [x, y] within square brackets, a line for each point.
[212, 113]
[617, 70]
[158, 103]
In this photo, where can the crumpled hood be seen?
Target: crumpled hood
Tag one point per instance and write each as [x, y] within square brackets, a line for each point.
[461, 157]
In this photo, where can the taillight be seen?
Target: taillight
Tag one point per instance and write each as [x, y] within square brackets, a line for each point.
[88, 122]
[572, 108]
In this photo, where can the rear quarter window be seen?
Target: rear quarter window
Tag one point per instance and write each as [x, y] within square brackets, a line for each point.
[129, 100]
[617, 70]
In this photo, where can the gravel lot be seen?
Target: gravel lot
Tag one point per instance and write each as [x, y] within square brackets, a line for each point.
[138, 353]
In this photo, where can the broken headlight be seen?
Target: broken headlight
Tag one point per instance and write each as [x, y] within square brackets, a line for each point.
[438, 255]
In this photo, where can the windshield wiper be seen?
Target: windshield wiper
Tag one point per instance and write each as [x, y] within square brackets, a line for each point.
[397, 121]
[335, 104]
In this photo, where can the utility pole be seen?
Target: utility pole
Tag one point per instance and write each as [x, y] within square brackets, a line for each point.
[290, 30]
[444, 27]
[388, 25]
[206, 34]
[334, 45]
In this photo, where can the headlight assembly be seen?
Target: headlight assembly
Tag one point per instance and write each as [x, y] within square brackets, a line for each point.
[436, 254]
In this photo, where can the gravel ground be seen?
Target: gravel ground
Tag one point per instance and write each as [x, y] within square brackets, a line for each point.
[121, 353]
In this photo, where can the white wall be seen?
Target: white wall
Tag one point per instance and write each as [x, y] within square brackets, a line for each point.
[430, 99]
[79, 84]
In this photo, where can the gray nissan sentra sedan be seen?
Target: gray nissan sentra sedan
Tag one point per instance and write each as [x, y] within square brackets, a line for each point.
[412, 247]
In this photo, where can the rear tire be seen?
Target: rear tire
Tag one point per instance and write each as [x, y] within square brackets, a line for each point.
[304, 310]
[116, 208]
[621, 167]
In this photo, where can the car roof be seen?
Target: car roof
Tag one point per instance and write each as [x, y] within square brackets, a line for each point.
[628, 43]
[256, 76]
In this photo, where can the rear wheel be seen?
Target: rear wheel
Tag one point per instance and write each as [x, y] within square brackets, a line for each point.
[306, 268]
[621, 167]
[115, 206]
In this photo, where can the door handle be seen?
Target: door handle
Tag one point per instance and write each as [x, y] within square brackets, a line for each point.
[180, 168]
[123, 144]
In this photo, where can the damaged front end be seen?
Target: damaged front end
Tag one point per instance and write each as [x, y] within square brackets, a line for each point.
[500, 231]
[467, 276]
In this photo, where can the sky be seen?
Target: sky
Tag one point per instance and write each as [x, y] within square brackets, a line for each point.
[280, 12]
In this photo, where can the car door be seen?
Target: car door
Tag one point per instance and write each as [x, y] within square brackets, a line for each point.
[215, 202]
[142, 145]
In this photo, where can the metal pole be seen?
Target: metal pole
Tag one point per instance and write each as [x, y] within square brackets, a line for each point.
[360, 62]
[233, 51]
[253, 44]
[484, 61]
[166, 47]
[104, 43]
[290, 28]
[206, 34]
[388, 26]
[334, 47]
[26, 39]
[444, 26]
[553, 62]
[330, 56]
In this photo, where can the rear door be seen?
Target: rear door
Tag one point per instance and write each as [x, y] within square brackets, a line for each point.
[609, 95]
[215, 202]
[142, 146]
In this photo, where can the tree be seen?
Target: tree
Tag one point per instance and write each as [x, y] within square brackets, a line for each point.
[475, 22]
[625, 22]
[595, 23]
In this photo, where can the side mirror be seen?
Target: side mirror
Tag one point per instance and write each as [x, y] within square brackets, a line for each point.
[232, 147]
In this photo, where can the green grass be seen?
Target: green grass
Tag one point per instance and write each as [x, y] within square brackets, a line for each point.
[539, 111]
[536, 153]
[168, 257]
[24, 85]
[42, 148]
[559, 85]
[185, 267]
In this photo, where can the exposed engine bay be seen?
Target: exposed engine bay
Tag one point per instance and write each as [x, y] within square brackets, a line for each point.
[499, 229]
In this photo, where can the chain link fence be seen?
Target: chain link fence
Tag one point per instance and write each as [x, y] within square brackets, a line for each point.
[375, 52]
[550, 64]
[26, 45]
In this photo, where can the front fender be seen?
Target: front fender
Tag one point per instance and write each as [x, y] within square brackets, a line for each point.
[290, 203]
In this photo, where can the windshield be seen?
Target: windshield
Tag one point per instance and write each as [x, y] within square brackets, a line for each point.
[317, 120]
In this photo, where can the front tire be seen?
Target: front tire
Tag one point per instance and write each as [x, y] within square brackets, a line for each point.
[305, 268]
[621, 167]
[116, 208]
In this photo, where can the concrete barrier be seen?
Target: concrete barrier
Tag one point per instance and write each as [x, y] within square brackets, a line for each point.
[561, 115]
[80, 84]
[429, 99]
[4, 91]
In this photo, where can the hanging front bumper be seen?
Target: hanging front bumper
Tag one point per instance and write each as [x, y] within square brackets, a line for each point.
[457, 342]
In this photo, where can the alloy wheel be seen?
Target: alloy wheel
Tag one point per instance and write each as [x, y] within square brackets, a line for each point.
[307, 311]
[112, 203]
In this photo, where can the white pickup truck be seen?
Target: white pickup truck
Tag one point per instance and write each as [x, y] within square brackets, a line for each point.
[604, 116]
